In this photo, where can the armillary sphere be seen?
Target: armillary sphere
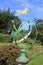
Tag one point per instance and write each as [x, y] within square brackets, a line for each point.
[20, 34]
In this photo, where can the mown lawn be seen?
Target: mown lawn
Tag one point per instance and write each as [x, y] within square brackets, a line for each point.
[37, 61]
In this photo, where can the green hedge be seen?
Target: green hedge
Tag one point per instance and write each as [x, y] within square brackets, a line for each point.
[5, 37]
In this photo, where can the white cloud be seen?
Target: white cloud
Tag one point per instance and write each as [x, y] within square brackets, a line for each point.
[37, 0]
[22, 3]
[18, 0]
[38, 10]
[25, 3]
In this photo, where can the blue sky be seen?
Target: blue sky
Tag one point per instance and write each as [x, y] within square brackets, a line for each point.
[35, 7]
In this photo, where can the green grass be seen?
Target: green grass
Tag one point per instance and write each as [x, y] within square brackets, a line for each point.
[37, 61]
[1, 44]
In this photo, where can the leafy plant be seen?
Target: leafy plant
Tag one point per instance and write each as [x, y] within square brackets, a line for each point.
[8, 54]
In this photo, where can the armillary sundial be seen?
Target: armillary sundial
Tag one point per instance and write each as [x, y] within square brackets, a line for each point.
[22, 59]
[17, 32]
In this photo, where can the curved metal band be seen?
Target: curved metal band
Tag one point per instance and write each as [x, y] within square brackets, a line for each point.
[18, 41]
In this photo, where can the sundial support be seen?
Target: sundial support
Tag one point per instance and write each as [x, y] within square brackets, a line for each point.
[22, 59]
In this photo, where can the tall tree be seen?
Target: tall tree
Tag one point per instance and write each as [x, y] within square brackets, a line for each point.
[6, 17]
[39, 24]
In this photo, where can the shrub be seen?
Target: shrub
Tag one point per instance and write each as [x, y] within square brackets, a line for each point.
[8, 54]
[37, 47]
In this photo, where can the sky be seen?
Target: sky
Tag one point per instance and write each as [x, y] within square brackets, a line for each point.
[35, 8]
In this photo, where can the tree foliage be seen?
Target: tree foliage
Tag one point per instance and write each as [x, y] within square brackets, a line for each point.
[5, 19]
[39, 25]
